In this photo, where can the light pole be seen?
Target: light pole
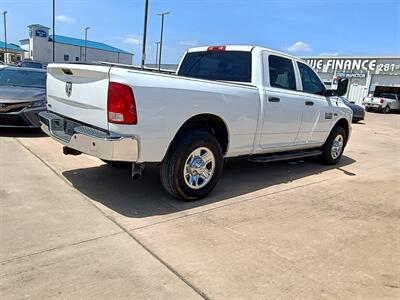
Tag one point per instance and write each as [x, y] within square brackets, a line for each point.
[86, 29]
[161, 37]
[54, 30]
[157, 44]
[146, 9]
[5, 37]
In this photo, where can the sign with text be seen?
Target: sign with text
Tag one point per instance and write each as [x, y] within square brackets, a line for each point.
[40, 33]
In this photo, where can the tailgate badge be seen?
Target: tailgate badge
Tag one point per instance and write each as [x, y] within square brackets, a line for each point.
[68, 88]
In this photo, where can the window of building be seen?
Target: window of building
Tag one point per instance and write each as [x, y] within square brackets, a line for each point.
[66, 57]
[281, 73]
[311, 83]
[76, 58]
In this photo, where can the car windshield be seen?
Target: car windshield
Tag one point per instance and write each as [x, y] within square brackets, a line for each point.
[30, 64]
[23, 78]
[388, 96]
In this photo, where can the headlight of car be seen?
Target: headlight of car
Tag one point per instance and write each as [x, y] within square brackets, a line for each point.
[39, 103]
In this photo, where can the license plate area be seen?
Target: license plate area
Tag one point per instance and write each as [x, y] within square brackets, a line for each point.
[69, 127]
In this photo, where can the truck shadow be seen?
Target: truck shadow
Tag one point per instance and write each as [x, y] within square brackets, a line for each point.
[22, 132]
[114, 188]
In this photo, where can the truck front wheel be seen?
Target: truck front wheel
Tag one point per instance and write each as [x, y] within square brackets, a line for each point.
[192, 166]
[333, 148]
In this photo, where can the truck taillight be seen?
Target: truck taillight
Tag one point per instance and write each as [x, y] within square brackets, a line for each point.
[121, 107]
[382, 101]
[216, 48]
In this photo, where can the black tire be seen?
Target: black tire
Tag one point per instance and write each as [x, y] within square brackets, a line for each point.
[172, 167]
[367, 108]
[327, 157]
[386, 110]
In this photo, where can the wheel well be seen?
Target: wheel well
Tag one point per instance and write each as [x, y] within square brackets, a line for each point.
[211, 124]
[344, 124]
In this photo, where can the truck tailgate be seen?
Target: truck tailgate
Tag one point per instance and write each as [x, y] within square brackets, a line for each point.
[79, 92]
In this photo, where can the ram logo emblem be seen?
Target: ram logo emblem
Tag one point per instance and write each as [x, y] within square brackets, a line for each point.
[68, 88]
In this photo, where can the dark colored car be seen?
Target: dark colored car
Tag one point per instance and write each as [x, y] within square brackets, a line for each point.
[31, 64]
[22, 96]
[358, 111]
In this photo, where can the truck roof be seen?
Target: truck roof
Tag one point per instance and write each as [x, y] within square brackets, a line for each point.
[245, 48]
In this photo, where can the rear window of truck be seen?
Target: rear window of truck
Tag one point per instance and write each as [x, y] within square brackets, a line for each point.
[217, 65]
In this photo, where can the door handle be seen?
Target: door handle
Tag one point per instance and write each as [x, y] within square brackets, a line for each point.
[273, 99]
[309, 103]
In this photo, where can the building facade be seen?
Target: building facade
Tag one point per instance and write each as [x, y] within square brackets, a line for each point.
[39, 47]
[14, 53]
[371, 75]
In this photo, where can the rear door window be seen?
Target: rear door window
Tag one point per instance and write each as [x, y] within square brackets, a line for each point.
[217, 65]
[281, 73]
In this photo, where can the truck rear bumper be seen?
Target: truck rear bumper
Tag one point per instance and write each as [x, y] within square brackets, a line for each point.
[89, 140]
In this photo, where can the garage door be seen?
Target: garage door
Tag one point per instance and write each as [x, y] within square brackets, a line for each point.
[357, 91]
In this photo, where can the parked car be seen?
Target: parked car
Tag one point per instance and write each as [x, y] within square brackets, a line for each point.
[224, 101]
[31, 64]
[22, 96]
[385, 103]
[358, 110]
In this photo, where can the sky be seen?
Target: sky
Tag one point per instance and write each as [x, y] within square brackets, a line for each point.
[302, 27]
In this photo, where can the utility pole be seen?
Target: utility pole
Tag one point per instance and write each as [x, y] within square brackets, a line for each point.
[54, 30]
[161, 37]
[157, 44]
[86, 30]
[5, 37]
[146, 9]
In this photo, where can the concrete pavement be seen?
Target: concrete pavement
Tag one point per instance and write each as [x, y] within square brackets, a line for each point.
[73, 227]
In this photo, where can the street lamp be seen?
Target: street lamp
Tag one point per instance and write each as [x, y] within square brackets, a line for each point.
[54, 30]
[157, 44]
[161, 37]
[146, 9]
[5, 37]
[86, 29]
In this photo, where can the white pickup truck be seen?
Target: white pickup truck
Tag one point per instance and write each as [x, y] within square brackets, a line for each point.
[223, 101]
[385, 102]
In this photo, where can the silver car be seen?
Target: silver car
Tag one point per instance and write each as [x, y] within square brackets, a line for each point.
[22, 96]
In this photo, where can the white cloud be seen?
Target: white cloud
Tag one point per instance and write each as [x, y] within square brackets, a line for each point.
[299, 47]
[329, 54]
[132, 40]
[65, 19]
[189, 43]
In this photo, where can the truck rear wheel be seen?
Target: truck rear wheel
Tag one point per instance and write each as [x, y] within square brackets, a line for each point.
[386, 110]
[334, 146]
[192, 166]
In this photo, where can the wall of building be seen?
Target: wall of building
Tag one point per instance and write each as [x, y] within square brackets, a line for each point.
[41, 49]
[364, 73]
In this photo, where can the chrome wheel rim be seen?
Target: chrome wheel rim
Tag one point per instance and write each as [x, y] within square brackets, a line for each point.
[337, 146]
[199, 168]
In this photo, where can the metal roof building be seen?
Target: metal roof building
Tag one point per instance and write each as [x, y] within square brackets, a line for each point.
[14, 52]
[368, 75]
[39, 47]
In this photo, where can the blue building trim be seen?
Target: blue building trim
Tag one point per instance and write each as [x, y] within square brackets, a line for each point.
[11, 47]
[90, 44]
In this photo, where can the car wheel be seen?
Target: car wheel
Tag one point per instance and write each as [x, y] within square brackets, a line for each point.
[334, 146]
[192, 166]
[367, 108]
[386, 110]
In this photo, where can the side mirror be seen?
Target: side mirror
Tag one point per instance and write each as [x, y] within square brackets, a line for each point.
[342, 87]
